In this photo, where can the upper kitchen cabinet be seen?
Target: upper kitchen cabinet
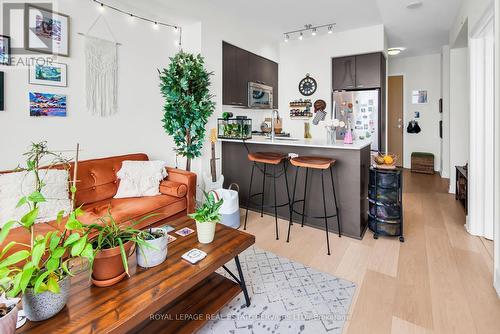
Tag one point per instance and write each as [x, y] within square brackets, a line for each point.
[369, 70]
[358, 72]
[240, 67]
[234, 75]
[344, 73]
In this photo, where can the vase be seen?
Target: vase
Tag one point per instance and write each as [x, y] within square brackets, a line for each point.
[154, 255]
[45, 305]
[8, 322]
[331, 135]
[205, 231]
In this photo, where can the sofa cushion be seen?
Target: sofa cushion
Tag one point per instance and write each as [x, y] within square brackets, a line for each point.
[140, 178]
[124, 209]
[172, 188]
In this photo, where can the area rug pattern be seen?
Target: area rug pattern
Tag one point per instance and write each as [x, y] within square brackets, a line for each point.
[286, 297]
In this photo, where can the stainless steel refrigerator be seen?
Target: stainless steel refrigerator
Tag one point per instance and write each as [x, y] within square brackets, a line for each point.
[361, 108]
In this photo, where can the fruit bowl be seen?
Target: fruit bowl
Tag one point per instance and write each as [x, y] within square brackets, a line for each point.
[385, 161]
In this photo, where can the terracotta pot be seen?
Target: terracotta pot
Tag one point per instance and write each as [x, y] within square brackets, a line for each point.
[8, 322]
[108, 263]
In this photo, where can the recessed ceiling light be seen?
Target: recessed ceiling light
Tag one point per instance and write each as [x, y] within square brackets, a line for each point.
[394, 51]
[414, 4]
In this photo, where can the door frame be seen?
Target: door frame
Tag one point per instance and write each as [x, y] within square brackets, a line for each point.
[398, 74]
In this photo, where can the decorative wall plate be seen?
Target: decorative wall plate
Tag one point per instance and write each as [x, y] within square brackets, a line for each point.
[307, 86]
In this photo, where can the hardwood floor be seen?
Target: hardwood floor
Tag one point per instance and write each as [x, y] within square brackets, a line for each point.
[438, 281]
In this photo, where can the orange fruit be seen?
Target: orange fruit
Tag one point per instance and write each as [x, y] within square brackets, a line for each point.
[388, 160]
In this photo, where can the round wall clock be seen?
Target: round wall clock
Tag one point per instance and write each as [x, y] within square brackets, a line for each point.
[307, 86]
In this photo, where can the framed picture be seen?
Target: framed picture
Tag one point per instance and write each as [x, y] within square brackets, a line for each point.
[53, 74]
[42, 104]
[4, 50]
[46, 31]
[419, 97]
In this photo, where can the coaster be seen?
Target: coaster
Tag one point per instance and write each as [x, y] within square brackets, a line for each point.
[167, 228]
[184, 231]
[194, 255]
[170, 238]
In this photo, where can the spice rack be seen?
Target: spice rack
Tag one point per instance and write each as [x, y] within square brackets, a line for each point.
[301, 109]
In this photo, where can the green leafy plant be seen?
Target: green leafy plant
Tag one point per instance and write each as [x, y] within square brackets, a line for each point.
[111, 235]
[188, 105]
[208, 212]
[43, 263]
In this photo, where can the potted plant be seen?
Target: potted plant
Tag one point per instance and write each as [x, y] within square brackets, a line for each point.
[41, 270]
[113, 244]
[206, 217]
[156, 252]
[185, 86]
[8, 314]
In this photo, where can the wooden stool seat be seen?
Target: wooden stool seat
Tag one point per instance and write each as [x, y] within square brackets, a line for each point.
[271, 158]
[312, 162]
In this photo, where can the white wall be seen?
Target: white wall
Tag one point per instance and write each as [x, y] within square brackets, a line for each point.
[137, 126]
[421, 72]
[496, 281]
[314, 56]
[470, 13]
[459, 110]
[445, 116]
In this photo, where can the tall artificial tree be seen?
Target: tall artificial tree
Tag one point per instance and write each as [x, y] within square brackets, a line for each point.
[188, 103]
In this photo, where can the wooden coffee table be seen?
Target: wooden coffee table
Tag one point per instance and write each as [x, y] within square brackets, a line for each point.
[174, 297]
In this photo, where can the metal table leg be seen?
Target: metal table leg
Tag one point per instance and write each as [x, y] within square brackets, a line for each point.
[240, 280]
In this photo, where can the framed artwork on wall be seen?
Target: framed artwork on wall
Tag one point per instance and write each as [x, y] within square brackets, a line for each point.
[4, 50]
[43, 104]
[419, 97]
[46, 31]
[50, 74]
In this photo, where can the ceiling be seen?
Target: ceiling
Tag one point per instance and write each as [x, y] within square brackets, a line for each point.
[421, 31]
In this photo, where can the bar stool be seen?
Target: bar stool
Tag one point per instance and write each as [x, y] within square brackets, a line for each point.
[314, 163]
[267, 159]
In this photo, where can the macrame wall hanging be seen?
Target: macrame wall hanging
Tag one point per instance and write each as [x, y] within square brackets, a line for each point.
[101, 73]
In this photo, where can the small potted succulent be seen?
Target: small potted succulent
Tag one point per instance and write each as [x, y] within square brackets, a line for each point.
[156, 252]
[207, 216]
[113, 244]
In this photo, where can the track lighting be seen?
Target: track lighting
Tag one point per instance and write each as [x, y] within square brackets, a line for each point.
[308, 27]
[301, 36]
[313, 32]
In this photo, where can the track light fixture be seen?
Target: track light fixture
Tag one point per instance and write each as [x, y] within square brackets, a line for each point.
[309, 27]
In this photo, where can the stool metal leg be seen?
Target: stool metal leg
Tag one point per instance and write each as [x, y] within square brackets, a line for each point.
[336, 205]
[249, 195]
[324, 207]
[305, 193]
[263, 191]
[275, 203]
[292, 202]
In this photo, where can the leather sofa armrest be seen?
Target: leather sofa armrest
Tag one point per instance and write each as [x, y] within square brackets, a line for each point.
[172, 188]
[188, 179]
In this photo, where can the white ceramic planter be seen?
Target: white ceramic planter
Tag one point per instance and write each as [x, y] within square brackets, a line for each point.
[205, 231]
[8, 322]
[151, 257]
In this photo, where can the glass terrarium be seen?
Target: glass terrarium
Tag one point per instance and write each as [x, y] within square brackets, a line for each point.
[234, 128]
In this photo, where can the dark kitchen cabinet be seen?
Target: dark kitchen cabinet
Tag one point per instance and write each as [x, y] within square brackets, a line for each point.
[368, 70]
[344, 73]
[234, 75]
[240, 67]
[358, 72]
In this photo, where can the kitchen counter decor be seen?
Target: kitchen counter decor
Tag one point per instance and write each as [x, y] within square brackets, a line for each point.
[234, 128]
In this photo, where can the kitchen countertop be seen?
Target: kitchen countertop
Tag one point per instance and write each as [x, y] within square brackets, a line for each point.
[321, 143]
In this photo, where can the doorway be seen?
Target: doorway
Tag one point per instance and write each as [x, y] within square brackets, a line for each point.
[395, 99]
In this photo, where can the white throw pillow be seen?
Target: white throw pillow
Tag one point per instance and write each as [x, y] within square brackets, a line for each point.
[14, 186]
[140, 178]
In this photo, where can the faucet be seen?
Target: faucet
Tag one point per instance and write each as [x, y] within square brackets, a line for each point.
[273, 123]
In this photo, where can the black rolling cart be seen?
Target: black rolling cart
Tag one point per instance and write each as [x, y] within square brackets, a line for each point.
[385, 203]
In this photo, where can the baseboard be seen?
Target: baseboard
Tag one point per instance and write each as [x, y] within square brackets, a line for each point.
[496, 281]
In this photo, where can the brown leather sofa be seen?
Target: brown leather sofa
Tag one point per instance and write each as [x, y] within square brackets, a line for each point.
[97, 184]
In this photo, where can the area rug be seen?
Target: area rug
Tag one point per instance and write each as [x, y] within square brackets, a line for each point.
[286, 297]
